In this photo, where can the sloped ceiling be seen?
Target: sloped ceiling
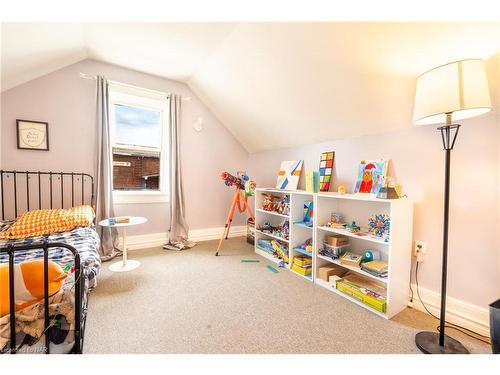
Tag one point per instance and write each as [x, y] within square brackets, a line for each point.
[272, 84]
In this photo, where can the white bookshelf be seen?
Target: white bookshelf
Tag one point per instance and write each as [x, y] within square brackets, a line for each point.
[396, 251]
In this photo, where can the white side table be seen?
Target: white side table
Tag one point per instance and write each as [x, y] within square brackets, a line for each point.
[125, 264]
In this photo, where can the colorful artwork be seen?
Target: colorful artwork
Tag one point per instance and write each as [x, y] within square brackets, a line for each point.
[289, 174]
[371, 175]
[326, 163]
[312, 181]
[379, 225]
[308, 213]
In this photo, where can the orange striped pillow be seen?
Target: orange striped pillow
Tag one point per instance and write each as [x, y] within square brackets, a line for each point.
[43, 222]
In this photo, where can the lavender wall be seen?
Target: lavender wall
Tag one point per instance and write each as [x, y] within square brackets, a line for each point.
[67, 102]
[417, 162]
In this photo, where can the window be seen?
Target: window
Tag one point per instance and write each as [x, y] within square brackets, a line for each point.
[139, 137]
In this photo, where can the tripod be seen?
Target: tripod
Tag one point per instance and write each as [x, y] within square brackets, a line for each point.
[240, 201]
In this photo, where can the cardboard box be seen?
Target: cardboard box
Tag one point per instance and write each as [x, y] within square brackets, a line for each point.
[337, 240]
[324, 273]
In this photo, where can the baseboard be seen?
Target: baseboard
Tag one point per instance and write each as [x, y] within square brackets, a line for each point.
[216, 233]
[144, 241]
[458, 312]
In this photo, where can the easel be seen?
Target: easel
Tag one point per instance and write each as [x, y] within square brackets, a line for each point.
[240, 201]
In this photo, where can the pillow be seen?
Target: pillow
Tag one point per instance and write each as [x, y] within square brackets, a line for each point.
[44, 222]
[28, 283]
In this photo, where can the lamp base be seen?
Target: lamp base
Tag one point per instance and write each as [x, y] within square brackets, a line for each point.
[428, 343]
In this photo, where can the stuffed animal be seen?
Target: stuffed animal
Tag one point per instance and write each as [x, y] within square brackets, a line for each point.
[28, 283]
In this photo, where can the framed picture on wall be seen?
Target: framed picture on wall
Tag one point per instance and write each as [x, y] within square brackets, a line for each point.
[32, 135]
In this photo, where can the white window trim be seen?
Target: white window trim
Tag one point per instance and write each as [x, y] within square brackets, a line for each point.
[144, 98]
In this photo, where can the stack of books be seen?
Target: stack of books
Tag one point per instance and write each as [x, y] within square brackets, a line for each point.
[377, 268]
[302, 265]
[363, 290]
[351, 259]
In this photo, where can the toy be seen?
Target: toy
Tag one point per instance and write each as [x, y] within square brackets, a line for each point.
[341, 189]
[282, 230]
[387, 190]
[379, 225]
[272, 269]
[353, 227]
[276, 203]
[240, 199]
[371, 255]
[29, 283]
[308, 213]
[307, 245]
[336, 221]
[333, 252]
[283, 206]
[281, 250]
[268, 202]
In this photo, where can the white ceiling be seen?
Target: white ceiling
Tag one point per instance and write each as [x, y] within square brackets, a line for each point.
[271, 84]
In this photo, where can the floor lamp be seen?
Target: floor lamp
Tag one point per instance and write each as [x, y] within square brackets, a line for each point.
[454, 91]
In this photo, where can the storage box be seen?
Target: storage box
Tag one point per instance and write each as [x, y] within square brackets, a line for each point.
[302, 261]
[337, 240]
[377, 303]
[305, 271]
[324, 273]
[333, 280]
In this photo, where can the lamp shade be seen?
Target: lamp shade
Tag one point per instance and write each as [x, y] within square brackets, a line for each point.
[459, 88]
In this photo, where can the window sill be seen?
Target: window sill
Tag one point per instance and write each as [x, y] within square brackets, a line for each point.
[138, 197]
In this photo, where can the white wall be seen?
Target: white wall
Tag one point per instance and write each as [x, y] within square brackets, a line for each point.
[417, 162]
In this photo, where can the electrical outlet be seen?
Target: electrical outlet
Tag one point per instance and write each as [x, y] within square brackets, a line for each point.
[420, 250]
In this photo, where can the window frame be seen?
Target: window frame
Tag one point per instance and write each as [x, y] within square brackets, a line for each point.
[132, 96]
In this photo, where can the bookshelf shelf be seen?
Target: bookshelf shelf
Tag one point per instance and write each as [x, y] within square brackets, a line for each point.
[396, 252]
[354, 269]
[272, 213]
[344, 232]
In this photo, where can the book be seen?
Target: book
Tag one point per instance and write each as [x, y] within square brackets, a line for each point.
[376, 266]
[351, 259]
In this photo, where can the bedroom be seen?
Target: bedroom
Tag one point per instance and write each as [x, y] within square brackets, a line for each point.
[114, 139]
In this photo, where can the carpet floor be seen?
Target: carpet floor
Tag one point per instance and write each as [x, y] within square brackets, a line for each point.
[194, 302]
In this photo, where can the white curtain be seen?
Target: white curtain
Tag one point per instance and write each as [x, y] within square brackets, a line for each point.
[104, 173]
[179, 229]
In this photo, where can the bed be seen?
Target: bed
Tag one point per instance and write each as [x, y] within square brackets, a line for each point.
[54, 323]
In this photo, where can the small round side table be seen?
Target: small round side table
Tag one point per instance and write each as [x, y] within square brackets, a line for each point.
[125, 264]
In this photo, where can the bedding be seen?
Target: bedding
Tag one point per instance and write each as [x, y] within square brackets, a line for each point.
[44, 222]
[30, 320]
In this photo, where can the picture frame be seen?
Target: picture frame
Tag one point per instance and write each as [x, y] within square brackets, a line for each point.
[32, 135]
[370, 176]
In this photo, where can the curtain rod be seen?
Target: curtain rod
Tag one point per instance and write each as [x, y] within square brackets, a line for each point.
[94, 78]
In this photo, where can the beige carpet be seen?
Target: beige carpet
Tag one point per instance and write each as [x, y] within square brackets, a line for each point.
[194, 302]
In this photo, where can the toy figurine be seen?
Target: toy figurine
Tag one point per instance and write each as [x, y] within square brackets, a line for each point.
[341, 189]
[353, 227]
[307, 245]
[268, 202]
[283, 206]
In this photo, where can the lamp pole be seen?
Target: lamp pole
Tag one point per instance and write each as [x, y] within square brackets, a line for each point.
[446, 137]
[430, 342]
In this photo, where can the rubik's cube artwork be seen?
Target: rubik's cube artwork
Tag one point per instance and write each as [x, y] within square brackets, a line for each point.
[325, 170]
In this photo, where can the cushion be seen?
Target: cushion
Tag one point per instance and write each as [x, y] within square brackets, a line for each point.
[28, 283]
[43, 222]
